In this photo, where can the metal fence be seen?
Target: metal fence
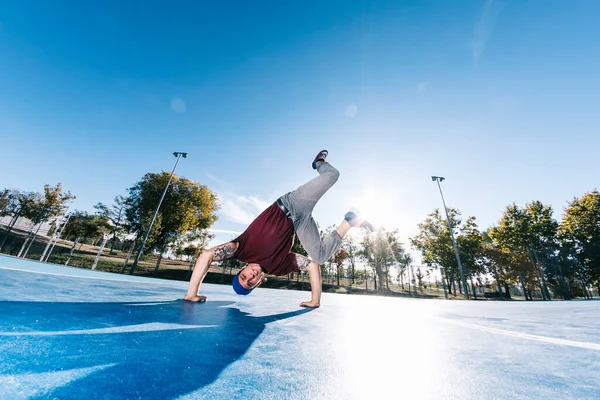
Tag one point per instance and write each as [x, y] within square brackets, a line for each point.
[85, 255]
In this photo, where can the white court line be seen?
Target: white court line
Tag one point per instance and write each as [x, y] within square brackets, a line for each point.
[545, 339]
[92, 277]
[150, 327]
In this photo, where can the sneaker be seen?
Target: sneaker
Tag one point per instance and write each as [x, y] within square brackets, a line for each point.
[354, 219]
[320, 157]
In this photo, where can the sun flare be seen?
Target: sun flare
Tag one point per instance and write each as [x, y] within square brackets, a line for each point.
[376, 207]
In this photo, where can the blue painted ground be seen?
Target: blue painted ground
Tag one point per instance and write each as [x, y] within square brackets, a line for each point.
[72, 333]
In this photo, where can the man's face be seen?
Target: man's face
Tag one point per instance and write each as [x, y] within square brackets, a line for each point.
[250, 276]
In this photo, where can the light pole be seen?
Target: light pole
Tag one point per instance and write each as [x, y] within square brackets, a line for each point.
[56, 235]
[139, 253]
[438, 179]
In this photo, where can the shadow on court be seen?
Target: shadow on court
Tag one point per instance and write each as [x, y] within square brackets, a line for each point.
[46, 337]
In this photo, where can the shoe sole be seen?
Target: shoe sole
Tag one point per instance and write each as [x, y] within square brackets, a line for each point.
[314, 163]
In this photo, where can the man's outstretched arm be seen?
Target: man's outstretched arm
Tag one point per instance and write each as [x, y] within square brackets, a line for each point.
[219, 253]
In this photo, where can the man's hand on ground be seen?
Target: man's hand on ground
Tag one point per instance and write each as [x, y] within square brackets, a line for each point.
[195, 298]
[309, 304]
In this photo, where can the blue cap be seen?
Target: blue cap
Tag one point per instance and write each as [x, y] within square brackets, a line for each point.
[237, 286]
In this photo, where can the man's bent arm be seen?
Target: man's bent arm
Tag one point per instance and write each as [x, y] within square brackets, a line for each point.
[219, 253]
[314, 273]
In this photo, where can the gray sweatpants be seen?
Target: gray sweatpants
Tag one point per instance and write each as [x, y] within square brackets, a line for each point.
[301, 203]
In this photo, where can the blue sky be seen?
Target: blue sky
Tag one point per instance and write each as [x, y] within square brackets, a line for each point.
[500, 97]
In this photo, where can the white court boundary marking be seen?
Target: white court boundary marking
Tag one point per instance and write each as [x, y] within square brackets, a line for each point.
[92, 277]
[545, 339]
[150, 327]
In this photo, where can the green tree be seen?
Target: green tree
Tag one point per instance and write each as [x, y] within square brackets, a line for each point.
[381, 251]
[403, 264]
[496, 262]
[367, 248]
[298, 248]
[5, 200]
[434, 242]
[187, 206]
[470, 244]
[420, 276]
[580, 230]
[11, 203]
[522, 228]
[51, 205]
[29, 205]
[190, 251]
[339, 258]
[197, 239]
[40, 208]
[352, 247]
[116, 216]
[54, 199]
[84, 227]
[327, 266]
[521, 234]
[21, 204]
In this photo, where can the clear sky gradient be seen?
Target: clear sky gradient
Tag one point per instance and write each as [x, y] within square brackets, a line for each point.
[500, 97]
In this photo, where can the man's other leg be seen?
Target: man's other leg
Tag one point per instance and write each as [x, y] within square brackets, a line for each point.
[319, 250]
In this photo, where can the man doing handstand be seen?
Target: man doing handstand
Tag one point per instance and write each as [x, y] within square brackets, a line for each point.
[267, 242]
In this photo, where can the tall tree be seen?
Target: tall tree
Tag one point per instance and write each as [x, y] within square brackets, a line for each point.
[435, 244]
[352, 247]
[82, 226]
[403, 264]
[10, 204]
[187, 206]
[367, 245]
[54, 201]
[382, 250]
[420, 276]
[115, 215]
[470, 244]
[21, 204]
[197, 238]
[29, 205]
[327, 265]
[521, 234]
[6, 196]
[50, 206]
[297, 247]
[580, 230]
[339, 258]
[496, 262]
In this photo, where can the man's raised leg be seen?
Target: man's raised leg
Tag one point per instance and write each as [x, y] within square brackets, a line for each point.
[301, 203]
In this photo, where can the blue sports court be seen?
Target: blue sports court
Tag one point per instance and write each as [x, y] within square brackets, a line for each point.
[69, 333]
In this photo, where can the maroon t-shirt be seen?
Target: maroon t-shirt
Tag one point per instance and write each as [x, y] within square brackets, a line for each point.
[268, 242]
